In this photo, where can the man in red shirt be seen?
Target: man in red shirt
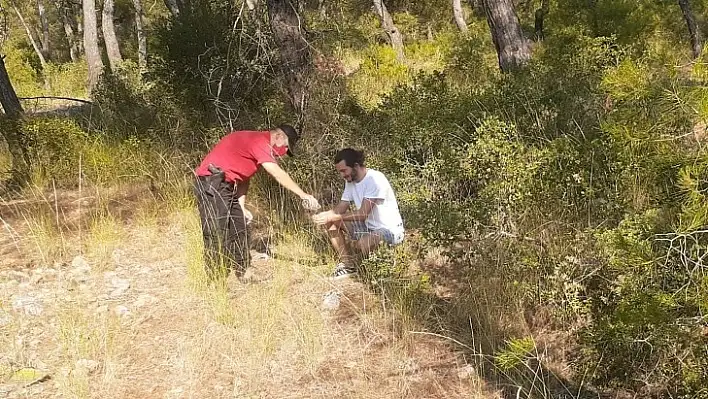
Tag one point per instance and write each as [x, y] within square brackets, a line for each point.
[222, 181]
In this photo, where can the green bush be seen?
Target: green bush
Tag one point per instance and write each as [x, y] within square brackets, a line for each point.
[60, 151]
[647, 308]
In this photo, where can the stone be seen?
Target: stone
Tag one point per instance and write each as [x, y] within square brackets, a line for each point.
[119, 286]
[121, 311]
[80, 263]
[5, 318]
[28, 304]
[331, 300]
[144, 299]
[84, 367]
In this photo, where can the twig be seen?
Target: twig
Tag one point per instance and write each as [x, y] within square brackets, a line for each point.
[57, 98]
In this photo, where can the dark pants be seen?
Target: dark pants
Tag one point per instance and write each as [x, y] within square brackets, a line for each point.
[224, 229]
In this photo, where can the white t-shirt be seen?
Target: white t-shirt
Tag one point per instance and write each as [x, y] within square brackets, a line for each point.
[375, 186]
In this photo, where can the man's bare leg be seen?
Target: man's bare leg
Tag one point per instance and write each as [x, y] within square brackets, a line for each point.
[339, 242]
[368, 243]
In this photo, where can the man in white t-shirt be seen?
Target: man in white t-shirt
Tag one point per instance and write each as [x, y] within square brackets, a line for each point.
[376, 218]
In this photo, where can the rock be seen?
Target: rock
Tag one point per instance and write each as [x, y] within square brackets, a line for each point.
[408, 365]
[260, 256]
[80, 263]
[331, 300]
[117, 256]
[466, 372]
[119, 286]
[102, 309]
[27, 304]
[121, 311]
[5, 318]
[10, 284]
[175, 392]
[80, 270]
[84, 367]
[144, 299]
[18, 276]
[36, 278]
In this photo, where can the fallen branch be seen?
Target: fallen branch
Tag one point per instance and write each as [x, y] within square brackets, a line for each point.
[57, 98]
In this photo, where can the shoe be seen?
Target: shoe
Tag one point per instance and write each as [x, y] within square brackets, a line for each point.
[342, 271]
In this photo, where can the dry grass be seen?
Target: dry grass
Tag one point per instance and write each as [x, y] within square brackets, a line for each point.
[171, 335]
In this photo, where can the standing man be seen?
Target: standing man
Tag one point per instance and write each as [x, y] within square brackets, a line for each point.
[376, 218]
[222, 181]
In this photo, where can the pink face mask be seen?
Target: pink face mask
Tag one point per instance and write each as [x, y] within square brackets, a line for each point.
[280, 151]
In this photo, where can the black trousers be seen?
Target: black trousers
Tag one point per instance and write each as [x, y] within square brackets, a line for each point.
[226, 244]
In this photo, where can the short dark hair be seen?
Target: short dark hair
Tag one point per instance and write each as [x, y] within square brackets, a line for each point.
[350, 156]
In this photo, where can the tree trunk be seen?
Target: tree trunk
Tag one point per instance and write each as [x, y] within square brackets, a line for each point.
[173, 7]
[287, 28]
[66, 19]
[142, 40]
[8, 98]
[539, 18]
[394, 35]
[459, 15]
[33, 42]
[93, 53]
[109, 36]
[20, 171]
[693, 31]
[512, 47]
[46, 47]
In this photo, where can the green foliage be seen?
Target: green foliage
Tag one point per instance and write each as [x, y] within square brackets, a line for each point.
[214, 56]
[648, 307]
[516, 353]
[55, 146]
[22, 73]
[387, 262]
[577, 184]
[60, 151]
[378, 74]
[124, 100]
[67, 80]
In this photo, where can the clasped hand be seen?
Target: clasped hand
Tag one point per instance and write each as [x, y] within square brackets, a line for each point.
[324, 217]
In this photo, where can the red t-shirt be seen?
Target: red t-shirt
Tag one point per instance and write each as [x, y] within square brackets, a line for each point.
[239, 154]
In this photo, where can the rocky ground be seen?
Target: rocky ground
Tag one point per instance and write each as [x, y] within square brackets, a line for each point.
[138, 324]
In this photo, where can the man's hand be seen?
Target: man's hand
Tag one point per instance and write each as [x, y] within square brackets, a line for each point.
[323, 218]
[310, 203]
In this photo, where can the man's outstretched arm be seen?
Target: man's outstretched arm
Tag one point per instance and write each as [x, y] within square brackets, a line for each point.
[284, 180]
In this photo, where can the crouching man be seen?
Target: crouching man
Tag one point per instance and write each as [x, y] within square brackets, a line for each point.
[375, 220]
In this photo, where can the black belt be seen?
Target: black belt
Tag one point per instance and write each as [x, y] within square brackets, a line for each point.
[212, 183]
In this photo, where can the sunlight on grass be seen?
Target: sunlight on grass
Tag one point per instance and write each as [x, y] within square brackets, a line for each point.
[105, 235]
[88, 347]
[45, 238]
